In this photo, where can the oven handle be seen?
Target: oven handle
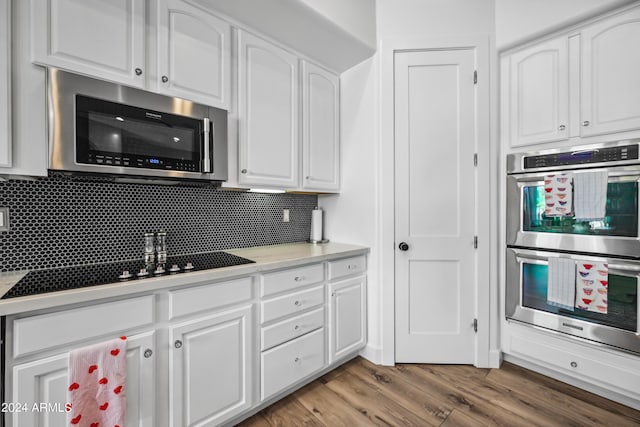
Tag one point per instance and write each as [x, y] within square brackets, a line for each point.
[615, 175]
[206, 158]
[625, 268]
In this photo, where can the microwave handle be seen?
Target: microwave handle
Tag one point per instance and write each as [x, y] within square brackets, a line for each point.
[206, 157]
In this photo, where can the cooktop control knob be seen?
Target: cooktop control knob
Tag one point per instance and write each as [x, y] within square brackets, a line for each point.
[189, 266]
[174, 268]
[143, 272]
[159, 270]
[125, 275]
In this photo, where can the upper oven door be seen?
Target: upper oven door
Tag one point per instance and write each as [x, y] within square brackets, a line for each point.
[617, 234]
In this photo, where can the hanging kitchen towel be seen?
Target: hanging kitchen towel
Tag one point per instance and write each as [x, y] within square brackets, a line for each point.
[96, 389]
[558, 194]
[592, 280]
[590, 195]
[561, 282]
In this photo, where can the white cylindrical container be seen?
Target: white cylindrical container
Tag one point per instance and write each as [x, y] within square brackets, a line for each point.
[316, 225]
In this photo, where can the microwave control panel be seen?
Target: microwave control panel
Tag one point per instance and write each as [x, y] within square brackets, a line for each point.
[598, 155]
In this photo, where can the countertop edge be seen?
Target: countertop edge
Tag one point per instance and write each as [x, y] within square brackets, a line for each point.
[265, 262]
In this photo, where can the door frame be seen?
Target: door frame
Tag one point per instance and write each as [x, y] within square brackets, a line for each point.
[487, 295]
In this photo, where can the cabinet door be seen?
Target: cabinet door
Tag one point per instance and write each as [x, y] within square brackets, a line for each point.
[194, 53]
[347, 314]
[211, 362]
[320, 129]
[610, 87]
[46, 381]
[268, 114]
[540, 93]
[100, 38]
[5, 83]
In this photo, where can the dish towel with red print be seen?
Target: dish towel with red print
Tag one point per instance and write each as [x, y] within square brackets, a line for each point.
[97, 381]
[590, 194]
[558, 197]
[592, 279]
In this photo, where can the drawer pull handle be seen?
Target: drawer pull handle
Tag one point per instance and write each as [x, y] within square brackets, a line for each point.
[296, 328]
[177, 344]
[297, 361]
[148, 353]
[297, 303]
[574, 364]
[298, 278]
[352, 267]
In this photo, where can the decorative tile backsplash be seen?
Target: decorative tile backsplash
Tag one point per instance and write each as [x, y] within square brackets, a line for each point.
[59, 221]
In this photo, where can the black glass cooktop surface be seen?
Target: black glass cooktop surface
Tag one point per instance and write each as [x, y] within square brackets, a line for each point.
[62, 279]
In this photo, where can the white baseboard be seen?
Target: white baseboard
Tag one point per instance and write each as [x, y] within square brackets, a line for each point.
[372, 354]
[495, 358]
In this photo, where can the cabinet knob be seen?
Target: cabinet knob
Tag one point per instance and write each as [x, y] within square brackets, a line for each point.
[586, 123]
[298, 278]
[165, 79]
[147, 353]
[138, 71]
[297, 360]
[297, 303]
[562, 127]
[306, 177]
[296, 328]
[574, 364]
[177, 344]
[243, 171]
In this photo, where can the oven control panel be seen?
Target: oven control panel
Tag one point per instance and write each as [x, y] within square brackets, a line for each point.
[597, 155]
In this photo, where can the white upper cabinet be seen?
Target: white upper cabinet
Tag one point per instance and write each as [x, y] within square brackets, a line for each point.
[610, 86]
[268, 114]
[320, 129]
[539, 87]
[193, 53]
[5, 83]
[104, 39]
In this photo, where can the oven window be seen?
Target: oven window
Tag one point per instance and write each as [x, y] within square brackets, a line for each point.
[622, 299]
[621, 213]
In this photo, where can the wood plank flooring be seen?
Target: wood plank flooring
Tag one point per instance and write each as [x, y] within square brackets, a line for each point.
[360, 393]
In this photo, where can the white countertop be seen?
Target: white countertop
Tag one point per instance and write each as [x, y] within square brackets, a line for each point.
[266, 258]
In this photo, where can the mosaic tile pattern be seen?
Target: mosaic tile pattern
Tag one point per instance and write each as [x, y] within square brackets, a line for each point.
[61, 221]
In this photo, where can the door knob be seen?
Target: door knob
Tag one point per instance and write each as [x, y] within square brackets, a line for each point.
[403, 246]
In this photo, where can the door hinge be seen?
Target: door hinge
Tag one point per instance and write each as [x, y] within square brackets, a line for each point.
[475, 325]
[475, 159]
[475, 77]
[475, 242]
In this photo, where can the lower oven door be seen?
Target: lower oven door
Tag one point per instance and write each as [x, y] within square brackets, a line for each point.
[526, 299]
[616, 234]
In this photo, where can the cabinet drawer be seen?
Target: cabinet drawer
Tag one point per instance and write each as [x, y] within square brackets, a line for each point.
[285, 365]
[610, 373]
[281, 281]
[110, 320]
[291, 303]
[291, 328]
[210, 296]
[347, 267]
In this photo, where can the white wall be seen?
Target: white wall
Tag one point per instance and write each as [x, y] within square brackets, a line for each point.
[356, 214]
[520, 20]
[356, 16]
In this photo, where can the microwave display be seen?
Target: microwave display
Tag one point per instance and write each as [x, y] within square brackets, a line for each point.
[112, 134]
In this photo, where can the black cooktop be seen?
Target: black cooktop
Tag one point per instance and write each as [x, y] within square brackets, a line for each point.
[62, 279]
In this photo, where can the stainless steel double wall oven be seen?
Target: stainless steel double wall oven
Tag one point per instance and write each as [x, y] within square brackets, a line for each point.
[533, 238]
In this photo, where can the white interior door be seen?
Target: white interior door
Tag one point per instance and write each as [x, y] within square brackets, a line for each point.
[435, 139]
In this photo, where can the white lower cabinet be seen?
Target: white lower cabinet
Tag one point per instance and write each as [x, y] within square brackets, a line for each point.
[45, 381]
[210, 364]
[347, 317]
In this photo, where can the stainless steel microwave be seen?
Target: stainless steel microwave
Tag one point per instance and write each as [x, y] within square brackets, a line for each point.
[98, 127]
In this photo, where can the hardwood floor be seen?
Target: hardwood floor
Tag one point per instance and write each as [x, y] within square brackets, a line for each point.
[360, 393]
